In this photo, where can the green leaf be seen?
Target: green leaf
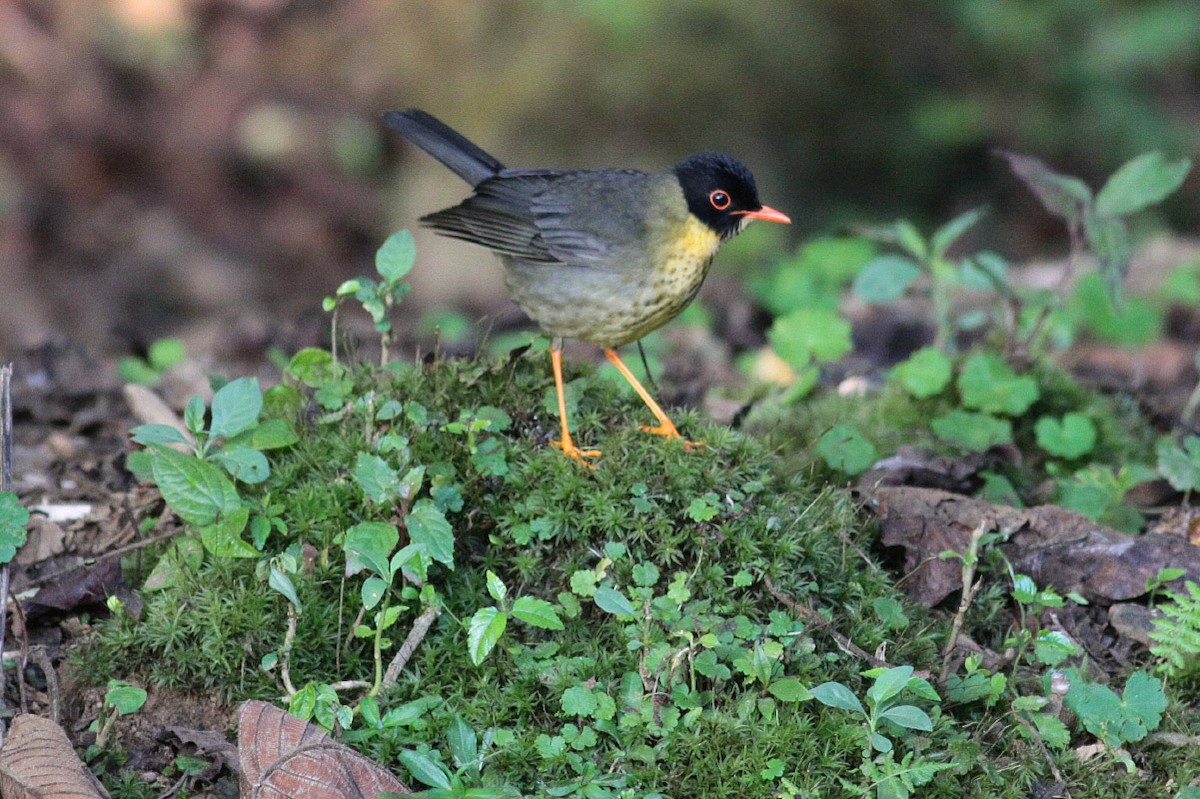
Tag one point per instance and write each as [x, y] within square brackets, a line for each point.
[809, 333]
[1065, 196]
[235, 407]
[890, 612]
[495, 586]
[1140, 183]
[909, 717]
[889, 684]
[789, 689]
[283, 584]
[165, 353]
[243, 463]
[1136, 322]
[845, 449]
[988, 384]
[395, 258]
[1070, 438]
[945, 236]
[13, 518]
[193, 415]
[908, 237]
[369, 546]
[379, 481]
[834, 694]
[427, 525]
[537, 612]
[163, 434]
[578, 701]
[273, 434]
[224, 537]
[464, 747]
[483, 631]
[124, 698]
[373, 589]
[425, 769]
[611, 600]
[926, 372]
[1109, 239]
[1180, 467]
[885, 278]
[195, 489]
[974, 432]
[1144, 699]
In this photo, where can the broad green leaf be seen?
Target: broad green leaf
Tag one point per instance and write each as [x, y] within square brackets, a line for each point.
[578, 701]
[483, 631]
[888, 684]
[885, 278]
[427, 525]
[464, 747]
[495, 586]
[1065, 196]
[986, 383]
[424, 769]
[243, 463]
[789, 689]
[1136, 322]
[164, 434]
[379, 481]
[974, 432]
[809, 333]
[165, 353]
[1143, 697]
[909, 717]
[395, 258]
[195, 489]
[926, 372]
[369, 546]
[611, 600]
[13, 518]
[945, 236]
[1073, 436]
[273, 434]
[414, 560]
[845, 449]
[224, 537]
[124, 698]
[537, 612]
[1140, 183]
[283, 584]
[1109, 239]
[373, 589]
[834, 694]
[1180, 467]
[235, 407]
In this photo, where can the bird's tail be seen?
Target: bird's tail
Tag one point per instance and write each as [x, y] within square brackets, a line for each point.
[445, 144]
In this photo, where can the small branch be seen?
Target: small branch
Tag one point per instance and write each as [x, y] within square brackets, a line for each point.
[285, 667]
[6, 454]
[810, 615]
[970, 587]
[415, 636]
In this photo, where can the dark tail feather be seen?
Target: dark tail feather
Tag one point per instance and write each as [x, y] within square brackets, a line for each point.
[445, 144]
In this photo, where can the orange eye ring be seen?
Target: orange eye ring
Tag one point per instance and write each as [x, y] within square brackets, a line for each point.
[719, 199]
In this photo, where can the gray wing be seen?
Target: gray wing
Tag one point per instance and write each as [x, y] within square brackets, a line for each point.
[550, 217]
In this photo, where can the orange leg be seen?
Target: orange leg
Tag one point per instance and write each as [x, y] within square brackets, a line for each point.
[666, 427]
[565, 443]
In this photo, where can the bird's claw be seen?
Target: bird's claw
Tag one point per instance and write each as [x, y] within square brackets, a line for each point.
[669, 431]
[580, 456]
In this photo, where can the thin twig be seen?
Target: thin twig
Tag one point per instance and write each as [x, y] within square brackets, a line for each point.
[6, 453]
[970, 587]
[844, 643]
[415, 636]
[285, 669]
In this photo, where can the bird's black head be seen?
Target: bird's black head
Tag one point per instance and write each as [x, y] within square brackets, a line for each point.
[720, 191]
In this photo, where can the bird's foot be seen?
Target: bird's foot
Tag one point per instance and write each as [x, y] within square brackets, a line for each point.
[668, 431]
[580, 456]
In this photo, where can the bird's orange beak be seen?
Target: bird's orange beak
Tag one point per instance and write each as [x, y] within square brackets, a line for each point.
[767, 215]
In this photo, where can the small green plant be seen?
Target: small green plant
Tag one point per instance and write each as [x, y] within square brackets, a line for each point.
[232, 442]
[1098, 492]
[488, 624]
[1176, 633]
[1117, 720]
[468, 755]
[13, 518]
[393, 261]
[161, 355]
[120, 699]
[884, 718]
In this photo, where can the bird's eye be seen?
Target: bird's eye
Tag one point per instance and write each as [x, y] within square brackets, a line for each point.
[719, 199]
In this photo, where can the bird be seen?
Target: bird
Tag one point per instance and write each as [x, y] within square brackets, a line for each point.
[600, 255]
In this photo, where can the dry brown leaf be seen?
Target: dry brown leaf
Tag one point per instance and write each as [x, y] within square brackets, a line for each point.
[37, 762]
[283, 757]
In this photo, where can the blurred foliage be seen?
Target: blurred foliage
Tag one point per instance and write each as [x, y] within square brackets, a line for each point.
[228, 150]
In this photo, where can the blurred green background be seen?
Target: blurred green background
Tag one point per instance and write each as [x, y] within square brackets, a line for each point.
[219, 164]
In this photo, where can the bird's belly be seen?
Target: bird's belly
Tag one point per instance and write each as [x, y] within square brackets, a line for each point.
[610, 306]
